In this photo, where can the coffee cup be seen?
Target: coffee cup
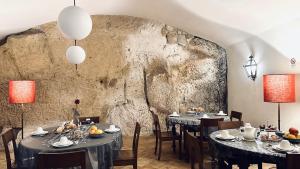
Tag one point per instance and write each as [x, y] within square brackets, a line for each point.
[175, 113]
[63, 140]
[285, 145]
[221, 112]
[224, 133]
[39, 130]
[247, 125]
[112, 127]
[205, 116]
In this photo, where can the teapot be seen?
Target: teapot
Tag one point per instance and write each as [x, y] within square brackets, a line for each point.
[249, 133]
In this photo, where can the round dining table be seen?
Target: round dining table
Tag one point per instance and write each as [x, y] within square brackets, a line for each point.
[246, 152]
[191, 119]
[100, 152]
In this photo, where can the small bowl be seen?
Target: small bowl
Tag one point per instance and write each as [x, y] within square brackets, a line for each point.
[279, 133]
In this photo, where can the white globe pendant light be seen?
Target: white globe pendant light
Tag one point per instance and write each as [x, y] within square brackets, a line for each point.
[75, 54]
[74, 22]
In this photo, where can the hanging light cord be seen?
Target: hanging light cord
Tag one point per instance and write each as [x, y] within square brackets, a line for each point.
[75, 42]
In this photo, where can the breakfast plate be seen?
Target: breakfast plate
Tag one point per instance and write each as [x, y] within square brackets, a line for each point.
[40, 133]
[62, 145]
[229, 137]
[278, 148]
[112, 130]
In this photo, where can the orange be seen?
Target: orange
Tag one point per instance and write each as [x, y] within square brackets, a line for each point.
[291, 136]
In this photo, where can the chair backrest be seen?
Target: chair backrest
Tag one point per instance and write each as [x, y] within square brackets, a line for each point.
[236, 115]
[7, 137]
[136, 137]
[207, 123]
[195, 150]
[292, 161]
[61, 160]
[95, 119]
[223, 125]
[157, 125]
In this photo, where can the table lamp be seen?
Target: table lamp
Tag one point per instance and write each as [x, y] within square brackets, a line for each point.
[279, 88]
[21, 92]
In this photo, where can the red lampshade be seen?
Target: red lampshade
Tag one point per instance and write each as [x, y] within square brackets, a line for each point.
[279, 88]
[21, 91]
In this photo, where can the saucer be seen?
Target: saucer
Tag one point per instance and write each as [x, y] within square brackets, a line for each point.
[250, 140]
[174, 115]
[229, 137]
[218, 114]
[278, 148]
[112, 131]
[36, 133]
[61, 145]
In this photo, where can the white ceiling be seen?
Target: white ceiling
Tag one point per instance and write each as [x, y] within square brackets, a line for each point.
[225, 22]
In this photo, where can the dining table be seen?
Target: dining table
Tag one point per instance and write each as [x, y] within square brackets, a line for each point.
[191, 119]
[100, 152]
[246, 152]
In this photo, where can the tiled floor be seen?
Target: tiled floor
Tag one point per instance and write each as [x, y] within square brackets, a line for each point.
[147, 159]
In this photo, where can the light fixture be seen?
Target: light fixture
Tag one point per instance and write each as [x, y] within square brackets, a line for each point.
[75, 55]
[251, 68]
[21, 92]
[279, 88]
[74, 23]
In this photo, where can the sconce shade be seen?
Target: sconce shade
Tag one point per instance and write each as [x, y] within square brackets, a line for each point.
[21, 91]
[279, 88]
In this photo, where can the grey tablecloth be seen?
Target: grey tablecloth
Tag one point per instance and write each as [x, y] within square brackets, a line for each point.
[246, 150]
[100, 151]
[193, 119]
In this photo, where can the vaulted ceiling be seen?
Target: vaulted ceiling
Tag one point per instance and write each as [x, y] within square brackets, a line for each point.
[225, 22]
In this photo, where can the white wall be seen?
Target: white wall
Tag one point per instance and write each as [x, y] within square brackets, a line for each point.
[247, 96]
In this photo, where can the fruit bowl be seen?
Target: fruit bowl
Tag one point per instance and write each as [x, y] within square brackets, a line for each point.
[294, 141]
[96, 135]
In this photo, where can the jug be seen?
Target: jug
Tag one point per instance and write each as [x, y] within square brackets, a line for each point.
[250, 133]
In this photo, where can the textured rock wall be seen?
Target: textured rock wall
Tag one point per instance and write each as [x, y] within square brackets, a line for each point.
[132, 64]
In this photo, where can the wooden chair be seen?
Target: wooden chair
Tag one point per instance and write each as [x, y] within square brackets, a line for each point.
[236, 115]
[292, 161]
[7, 137]
[206, 125]
[129, 157]
[164, 136]
[61, 160]
[195, 149]
[95, 119]
[223, 125]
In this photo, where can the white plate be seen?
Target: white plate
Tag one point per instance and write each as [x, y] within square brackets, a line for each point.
[230, 137]
[250, 140]
[35, 133]
[221, 114]
[60, 145]
[174, 115]
[277, 147]
[112, 131]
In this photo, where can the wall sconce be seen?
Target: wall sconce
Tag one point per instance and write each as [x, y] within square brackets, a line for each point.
[251, 68]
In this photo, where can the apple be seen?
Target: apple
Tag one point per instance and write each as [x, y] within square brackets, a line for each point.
[293, 131]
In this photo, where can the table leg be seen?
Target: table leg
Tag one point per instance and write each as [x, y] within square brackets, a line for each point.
[174, 135]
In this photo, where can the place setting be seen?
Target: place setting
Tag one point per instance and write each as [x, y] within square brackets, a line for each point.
[39, 132]
[112, 129]
[285, 146]
[62, 143]
[174, 114]
[224, 135]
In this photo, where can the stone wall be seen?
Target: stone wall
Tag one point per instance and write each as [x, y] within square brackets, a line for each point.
[132, 64]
